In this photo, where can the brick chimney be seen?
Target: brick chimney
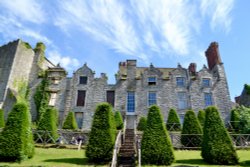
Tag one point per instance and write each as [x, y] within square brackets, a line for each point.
[192, 68]
[213, 55]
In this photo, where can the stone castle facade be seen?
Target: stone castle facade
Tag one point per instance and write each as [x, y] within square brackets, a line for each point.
[136, 88]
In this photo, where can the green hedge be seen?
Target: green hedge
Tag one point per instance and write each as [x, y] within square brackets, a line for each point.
[49, 123]
[118, 120]
[191, 131]
[70, 121]
[201, 117]
[156, 147]
[16, 139]
[217, 146]
[142, 124]
[173, 122]
[102, 135]
[1, 118]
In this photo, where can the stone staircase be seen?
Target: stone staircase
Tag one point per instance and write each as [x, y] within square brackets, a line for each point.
[127, 150]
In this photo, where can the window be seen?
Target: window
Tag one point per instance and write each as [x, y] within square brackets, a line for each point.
[111, 97]
[52, 100]
[81, 98]
[182, 100]
[151, 98]
[83, 80]
[180, 81]
[208, 99]
[151, 80]
[79, 119]
[131, 102]
[55, 81]
[205, 82]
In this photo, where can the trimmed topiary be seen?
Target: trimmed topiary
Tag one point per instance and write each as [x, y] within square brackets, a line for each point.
[173, 122]
[156, 146]
[142, 124]
[1, 118]
[191, 131]
[217, 146]
[102, 135]
[16, 139]
[201, 117]
[49, 123]
[235, 120]
[118, 120]
[70, 121]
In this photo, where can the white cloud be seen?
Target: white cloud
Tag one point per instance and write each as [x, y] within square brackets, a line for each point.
[65, 61]
[11, 29]
[219, 11]
[27, 10]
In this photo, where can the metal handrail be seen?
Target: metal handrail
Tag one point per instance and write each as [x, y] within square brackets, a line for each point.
[138, 145]
[116, 149]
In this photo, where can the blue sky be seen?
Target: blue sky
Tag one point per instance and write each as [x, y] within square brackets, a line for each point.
[102, 33]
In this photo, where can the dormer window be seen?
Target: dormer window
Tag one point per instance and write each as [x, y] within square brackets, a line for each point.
[180, 81]
[151, 80]
[206, 82]
[83, 80]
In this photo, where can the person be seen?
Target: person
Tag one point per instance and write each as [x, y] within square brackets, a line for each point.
[79, 138]
[73, 141]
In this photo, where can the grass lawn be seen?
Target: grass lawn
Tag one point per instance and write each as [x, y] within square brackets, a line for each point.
[68, 157]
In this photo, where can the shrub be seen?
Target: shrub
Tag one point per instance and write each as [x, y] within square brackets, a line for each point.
[156, 146]
[142, 124]
[70, 121]
[16, 140]
[173, 122]
[234, 120]
[244, 124]
[217, 146]
[191, 131]
[201, 117]
[102, 135]
[1, 118]
[49, 123]
[118, 120]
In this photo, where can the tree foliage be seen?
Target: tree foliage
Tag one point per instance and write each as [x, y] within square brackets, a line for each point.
[49, 123]
[235, 120]
[201, 117]
[142, 124]
[191, 131]
[102, 135]
[217, 146]
[118, 120]
[156, 146]
[1, 118]
[173, 122]
[70, 122]
[16, 139]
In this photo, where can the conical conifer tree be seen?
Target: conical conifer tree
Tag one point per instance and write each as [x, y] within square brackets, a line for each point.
[102, 135]
[217, 146]
[201, 117]
[173, 122]
[70, 122]
[191, 135]
[156, 145]
[142, 124]
[16, 139]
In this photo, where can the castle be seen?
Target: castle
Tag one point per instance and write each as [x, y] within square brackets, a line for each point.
[136, 88]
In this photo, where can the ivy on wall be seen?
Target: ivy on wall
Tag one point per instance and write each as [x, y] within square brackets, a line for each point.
[42, 96]
[22, 90]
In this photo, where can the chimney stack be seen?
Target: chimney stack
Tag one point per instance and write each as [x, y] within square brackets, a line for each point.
[213, 55]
